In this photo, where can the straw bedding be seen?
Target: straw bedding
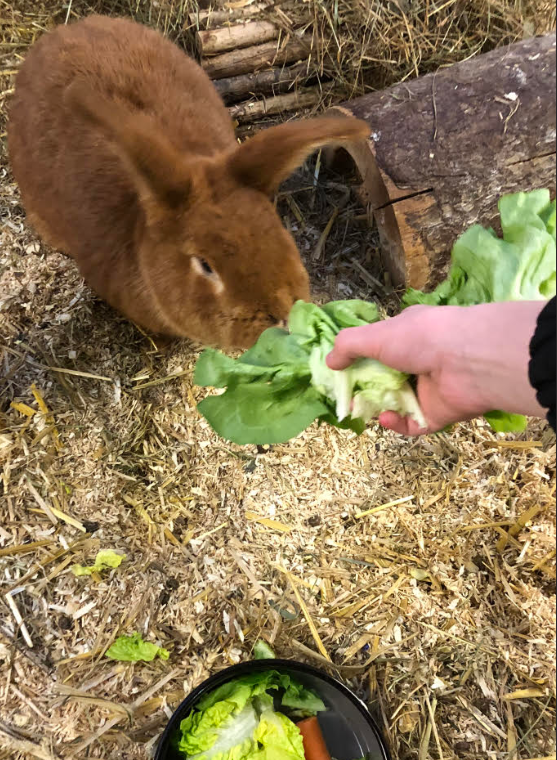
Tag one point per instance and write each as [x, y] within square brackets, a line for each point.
[422, 572]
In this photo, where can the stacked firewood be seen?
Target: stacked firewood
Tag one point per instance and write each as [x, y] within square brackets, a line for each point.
[262, 64]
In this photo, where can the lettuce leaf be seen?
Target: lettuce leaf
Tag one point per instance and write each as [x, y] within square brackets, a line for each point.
[301, 700]
[259, 684]
[520, 266]
[282, 385]
[505, 422]
[263, 651]
[220, 731]
[263, 413]
[134, 649]
[279, 739]
[238, 721]
[106, 559]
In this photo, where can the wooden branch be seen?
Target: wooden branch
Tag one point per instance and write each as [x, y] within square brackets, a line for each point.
[271, 81]
[226, 38]
[292, 101]
[210, 19]
[258, 57]
[446, 147]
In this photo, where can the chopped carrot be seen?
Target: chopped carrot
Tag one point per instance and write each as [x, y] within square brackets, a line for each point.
[314, 743]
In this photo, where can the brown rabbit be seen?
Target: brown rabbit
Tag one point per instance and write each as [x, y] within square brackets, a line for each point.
[126, 159]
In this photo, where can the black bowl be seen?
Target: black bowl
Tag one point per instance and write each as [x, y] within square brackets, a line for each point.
[348, 728]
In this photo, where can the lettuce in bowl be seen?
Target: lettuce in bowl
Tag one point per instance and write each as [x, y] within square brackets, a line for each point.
[249, 718]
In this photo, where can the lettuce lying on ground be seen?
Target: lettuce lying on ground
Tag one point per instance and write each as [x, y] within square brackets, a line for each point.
[282, 385]
[238, 721]
[134, 649]
[519, 267]
[106, 560]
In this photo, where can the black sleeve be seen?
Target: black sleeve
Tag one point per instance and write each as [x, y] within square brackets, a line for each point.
[543, 360]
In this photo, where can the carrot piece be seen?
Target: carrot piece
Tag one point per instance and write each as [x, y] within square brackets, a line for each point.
[314, 743]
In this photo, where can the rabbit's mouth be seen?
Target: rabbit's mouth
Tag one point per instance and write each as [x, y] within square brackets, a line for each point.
[242, 331]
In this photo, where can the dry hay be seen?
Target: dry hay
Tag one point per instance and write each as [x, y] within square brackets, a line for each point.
[366, 44]
[437, 605]
[375, 44]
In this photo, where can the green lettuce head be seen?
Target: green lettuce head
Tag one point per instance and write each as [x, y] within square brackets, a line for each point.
[282, 385]
[520, 266]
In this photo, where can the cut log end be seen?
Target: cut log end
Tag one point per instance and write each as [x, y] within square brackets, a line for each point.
[227, 38]
[446, 147]
[210, 19]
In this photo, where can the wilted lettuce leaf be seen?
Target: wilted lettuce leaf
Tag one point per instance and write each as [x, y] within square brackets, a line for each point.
[134, 649]
[105, 560]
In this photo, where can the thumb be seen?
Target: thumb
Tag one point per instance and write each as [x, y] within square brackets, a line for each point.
[354, 343]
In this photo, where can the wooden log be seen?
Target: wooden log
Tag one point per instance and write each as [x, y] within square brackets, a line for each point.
[210, 19]
[226, 38]
[258, 57]
[445, 147]
[292, 101]
[262, 82]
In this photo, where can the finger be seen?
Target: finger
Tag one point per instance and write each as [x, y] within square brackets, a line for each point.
[402, 425]
[358, 342]
[414, 429]
[393, 421]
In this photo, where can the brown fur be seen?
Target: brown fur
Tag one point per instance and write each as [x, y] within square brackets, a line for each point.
[126, 160]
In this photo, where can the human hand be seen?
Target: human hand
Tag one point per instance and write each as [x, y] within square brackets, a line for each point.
[468, 360]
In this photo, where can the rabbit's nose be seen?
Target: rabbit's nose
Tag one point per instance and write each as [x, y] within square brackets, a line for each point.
[282, 323]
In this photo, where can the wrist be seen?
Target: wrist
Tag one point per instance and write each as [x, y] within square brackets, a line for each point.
[496, 354]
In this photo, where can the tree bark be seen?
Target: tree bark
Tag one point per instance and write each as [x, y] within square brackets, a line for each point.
[292, 101]
[445, 147]
[272, 81]
[226, 38]
[251, 59]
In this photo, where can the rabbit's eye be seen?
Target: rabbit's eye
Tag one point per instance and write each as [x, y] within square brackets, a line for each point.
[203, 267]
[207, 268]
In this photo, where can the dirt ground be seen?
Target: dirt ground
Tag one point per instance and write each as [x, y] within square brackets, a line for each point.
[438, 607]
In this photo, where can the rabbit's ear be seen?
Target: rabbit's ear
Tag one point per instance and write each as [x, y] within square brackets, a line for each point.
[156, 167]
[267, 159]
